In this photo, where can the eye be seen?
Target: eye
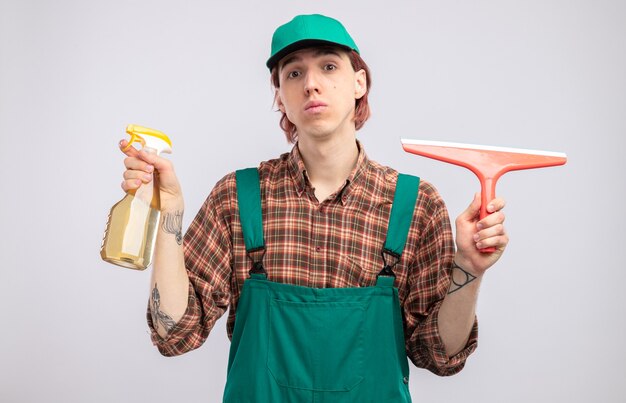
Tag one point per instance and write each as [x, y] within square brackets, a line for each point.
[293, 74]
[330, 67]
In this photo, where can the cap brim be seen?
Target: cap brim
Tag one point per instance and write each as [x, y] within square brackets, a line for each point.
[306, 43]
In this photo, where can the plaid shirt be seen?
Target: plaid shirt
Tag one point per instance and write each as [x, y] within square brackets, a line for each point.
[335, 243]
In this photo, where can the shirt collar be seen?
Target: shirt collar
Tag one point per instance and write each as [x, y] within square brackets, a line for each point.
[301, 180]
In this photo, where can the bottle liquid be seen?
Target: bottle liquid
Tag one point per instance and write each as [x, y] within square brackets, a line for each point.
[133, 222]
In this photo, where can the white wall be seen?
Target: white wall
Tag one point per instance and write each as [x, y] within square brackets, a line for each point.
[533, 74]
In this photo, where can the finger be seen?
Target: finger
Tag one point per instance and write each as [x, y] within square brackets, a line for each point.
[492, 219]
[134, 174]
[159, 163]
[127, 148]
[134, 163]
[490, 232]
[130, 184]
[132, 152]
[498, 242]
[496, 204]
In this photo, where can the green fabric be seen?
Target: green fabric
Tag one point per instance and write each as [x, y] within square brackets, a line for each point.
[305, 31]
[250, 214]
[401, 213]
[322, 345]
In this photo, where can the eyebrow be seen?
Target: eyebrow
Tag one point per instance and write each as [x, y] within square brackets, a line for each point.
[318, 52]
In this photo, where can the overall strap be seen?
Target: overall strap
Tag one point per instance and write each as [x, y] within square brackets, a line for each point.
[400, 220]
[251, 217]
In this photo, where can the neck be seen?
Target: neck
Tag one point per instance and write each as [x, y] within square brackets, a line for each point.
[328, 161]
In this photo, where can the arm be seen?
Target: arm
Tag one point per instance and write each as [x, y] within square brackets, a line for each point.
[170, 283]
[428, 284]
[458, 311]
[207, 256]
[441, 327]
[190, 286]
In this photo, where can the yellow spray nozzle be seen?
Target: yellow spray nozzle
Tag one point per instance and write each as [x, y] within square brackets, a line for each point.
[148, 137]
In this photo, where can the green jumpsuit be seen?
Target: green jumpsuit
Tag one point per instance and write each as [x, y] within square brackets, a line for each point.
[299, 344]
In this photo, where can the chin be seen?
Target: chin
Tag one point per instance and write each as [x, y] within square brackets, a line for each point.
[317, 132]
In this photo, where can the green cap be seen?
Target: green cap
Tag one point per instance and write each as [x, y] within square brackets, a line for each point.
[306, 31]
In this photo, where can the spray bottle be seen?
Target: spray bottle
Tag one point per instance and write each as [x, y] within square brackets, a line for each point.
[133, 222]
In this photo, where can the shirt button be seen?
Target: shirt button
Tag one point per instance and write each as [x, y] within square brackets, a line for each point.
[405, 380]
[318, 248]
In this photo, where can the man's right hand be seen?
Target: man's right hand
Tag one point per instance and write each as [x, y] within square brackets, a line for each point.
[139, 168]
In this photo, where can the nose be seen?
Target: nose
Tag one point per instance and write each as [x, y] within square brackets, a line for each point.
[311, 83]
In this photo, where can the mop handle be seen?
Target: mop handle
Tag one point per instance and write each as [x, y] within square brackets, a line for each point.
[487, 194]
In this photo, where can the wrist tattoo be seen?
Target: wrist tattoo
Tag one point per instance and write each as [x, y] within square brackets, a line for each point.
[464, 276]
[159, 317]
[173, 224]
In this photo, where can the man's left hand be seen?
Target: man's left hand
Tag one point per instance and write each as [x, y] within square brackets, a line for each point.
[473, 234]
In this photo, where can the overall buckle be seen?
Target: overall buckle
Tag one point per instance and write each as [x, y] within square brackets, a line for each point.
[388, 267]
[257, 260]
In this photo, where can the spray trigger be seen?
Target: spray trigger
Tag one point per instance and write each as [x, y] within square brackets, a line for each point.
[148, 138]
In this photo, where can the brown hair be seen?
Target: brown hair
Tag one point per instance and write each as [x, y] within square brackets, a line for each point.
[362, 107]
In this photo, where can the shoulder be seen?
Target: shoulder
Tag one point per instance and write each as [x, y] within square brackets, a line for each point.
[271, 169]
[429, 206]
[429, 197]
[382, 172]
[430, 221]
[388, 177]
[225, 189]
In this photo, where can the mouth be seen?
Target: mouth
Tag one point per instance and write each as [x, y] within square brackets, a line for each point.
[314, 106]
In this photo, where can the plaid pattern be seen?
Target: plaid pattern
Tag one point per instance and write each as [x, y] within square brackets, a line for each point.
[336, 243]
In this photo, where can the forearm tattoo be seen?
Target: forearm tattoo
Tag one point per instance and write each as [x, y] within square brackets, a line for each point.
[159, 317]
[460, 278]
[173, 224]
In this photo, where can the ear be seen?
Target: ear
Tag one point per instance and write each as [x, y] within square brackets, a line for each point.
[279, 102]
[360, 84]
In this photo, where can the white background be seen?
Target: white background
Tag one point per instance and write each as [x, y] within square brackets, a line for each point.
[533, 74]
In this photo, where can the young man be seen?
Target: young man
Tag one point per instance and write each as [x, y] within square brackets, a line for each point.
[335, 288]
